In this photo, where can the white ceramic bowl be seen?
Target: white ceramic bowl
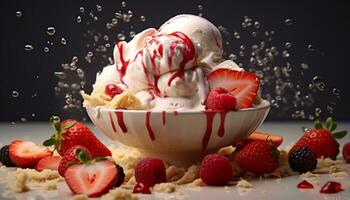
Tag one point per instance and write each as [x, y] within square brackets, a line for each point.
[180, 138]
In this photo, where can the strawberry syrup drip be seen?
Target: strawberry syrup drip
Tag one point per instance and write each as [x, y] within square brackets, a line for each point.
[331, 187]
[112, 123]
[187, 55]
[163, 117]
[221, 131]
[210, 116]
[305, 185]
[125, 63]
[121, 123]
[148, 126]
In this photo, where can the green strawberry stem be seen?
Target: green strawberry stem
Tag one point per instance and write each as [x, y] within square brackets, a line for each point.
[331, 126]
[60, 129]
[84, 158]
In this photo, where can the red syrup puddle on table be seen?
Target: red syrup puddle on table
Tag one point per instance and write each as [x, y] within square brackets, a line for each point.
[209, 116]
[221, 131]
[121, 123]
[305, 185]
[163, 117]
[112, 123]
[148, 125]
[331, 187]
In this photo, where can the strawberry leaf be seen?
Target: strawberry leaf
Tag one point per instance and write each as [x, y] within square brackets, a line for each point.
[82, 156]
[49, 142]
[329, 123]
[68, 125]
[333, 127]
[276, 153]
[318, 124]
[339, 134]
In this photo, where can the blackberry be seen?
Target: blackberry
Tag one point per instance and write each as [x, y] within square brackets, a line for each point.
[5, 156]
[121, 176]
[302, 160]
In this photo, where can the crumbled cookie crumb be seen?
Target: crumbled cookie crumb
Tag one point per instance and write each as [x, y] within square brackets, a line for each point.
[20, 184]
[119, 194]
[191, 174]
[174, 173]
[244, 184]
[164, 188]
[196, 183]
[80, 197]
[339, 175]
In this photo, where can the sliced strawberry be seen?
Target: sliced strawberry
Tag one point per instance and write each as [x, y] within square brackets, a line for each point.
[50, 162]
[93, 179]
[71, 156]
[276, 139]
[242, 84]
[26, 153]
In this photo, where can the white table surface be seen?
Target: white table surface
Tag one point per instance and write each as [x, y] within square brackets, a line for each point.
[262, 189]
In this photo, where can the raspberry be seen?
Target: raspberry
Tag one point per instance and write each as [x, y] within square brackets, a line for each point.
[220, 99]
[150, 171]
[216, 169]
[112, 90]
[346, 152]
[5, 156]
[302, 160]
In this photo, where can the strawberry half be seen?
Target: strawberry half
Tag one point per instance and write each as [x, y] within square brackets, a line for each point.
[50, 162]
[242, 84]
[275, 139]
[93, 179]
[26, 153]
[70, 132]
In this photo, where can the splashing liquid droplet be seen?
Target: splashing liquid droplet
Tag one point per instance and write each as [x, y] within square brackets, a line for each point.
[288, 22]
[63, 41]
[28, 47]
[99, 8]
[121, 36]
[82, 9]
[318, 83]
[15, 94]
[79, 19]
[46, 49]
[142, 18]
[51, 31]
[18, 13]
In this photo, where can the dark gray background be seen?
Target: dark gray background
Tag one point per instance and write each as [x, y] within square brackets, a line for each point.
[324, 24]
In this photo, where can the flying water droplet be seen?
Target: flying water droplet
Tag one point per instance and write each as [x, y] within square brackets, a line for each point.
[80, 73]
[28, 47]
[51, 30]
[288, 22]
[79, 19]
[46, 49]
[99, 8]
[336, 93]
[318, 83]
[60, 75]
[82, 9]
[15, 93]
[288, 45]
[18, 13]
[63, 41]
[142, 18]
[123, 4]
[304, 66]
[132, 34]
[200, 7]
[121, 36]
[310, 47]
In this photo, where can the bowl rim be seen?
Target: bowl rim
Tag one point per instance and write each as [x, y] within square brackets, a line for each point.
[262, 106]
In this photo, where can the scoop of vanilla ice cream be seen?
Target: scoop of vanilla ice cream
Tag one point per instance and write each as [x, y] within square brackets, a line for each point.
[203, 33]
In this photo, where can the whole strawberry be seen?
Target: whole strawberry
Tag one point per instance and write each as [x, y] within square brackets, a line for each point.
[70, 132]
[258, 157]
[71, 156]
[321, 140]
